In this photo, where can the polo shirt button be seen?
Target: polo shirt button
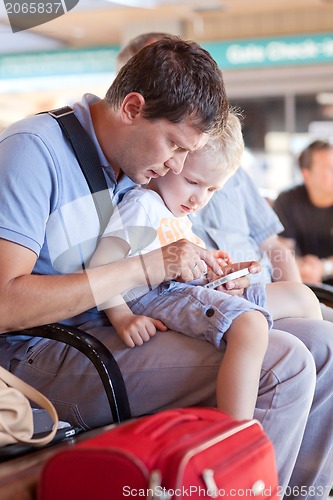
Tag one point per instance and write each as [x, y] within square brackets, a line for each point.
[210, 312]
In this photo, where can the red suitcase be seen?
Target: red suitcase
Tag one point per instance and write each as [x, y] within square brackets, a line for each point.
[186, 453]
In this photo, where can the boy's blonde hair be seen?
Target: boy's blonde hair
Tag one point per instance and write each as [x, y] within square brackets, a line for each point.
[227, 147]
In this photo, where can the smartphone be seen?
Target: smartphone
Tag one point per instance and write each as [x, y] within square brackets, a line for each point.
[15, 450]
[227, 277]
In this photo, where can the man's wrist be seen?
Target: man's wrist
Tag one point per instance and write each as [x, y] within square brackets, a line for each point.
[327, 268]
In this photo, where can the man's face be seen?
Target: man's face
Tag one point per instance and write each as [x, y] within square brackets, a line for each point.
[153, 148]
[319, 178]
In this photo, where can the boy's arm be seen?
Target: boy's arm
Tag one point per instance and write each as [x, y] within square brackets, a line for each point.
[133, 330]
[109, 249]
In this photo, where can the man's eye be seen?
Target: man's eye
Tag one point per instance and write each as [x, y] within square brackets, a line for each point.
[177, 148]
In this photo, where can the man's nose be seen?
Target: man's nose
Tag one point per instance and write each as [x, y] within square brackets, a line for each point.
[176, 162]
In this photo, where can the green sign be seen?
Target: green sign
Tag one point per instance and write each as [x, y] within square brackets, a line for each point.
[58, 63]
[263, 52]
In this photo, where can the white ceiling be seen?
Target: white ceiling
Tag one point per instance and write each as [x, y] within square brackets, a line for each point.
[103, 22]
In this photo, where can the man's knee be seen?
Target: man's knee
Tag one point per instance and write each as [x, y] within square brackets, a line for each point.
[289, 364]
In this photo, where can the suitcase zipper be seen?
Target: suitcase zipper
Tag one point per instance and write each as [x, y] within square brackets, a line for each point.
[208, 475]
[155, 483]
[211, 484]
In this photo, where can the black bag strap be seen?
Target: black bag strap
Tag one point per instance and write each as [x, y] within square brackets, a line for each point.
[87, 157]
[88, 160]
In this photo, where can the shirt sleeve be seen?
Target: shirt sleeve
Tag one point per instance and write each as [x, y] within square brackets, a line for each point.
[29, 189]
[134, 222]
[282, 209]
[262, 220]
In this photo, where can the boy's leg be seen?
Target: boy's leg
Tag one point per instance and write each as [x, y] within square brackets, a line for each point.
[239, 373]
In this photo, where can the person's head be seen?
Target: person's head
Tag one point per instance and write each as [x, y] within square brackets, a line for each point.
[166, 98]
[316, 164]
[135, 44]
[205, 171]
[177, 79]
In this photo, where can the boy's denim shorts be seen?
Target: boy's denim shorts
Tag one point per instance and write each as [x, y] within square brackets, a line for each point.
[196, 311]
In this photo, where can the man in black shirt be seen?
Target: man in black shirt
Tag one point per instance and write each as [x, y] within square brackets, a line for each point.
[306, 211]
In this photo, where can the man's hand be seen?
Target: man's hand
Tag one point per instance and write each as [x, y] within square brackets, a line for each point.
[182, 261]
[311, 268]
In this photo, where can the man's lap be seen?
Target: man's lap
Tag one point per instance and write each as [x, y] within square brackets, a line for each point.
[168, 371]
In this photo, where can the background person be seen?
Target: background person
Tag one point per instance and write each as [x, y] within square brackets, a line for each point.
[306, 212]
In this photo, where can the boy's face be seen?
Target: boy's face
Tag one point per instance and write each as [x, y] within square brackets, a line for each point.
[193, 187]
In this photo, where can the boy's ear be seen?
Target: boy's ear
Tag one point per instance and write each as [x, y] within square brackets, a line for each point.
[132, 106]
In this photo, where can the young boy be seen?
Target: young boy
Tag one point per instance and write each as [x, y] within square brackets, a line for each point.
[240, 324]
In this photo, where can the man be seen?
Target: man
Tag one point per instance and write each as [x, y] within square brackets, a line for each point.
[144, 127]
[306, 212]
[171, 369]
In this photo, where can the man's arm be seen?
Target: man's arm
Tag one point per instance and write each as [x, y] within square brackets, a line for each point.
[282, 258]
[28, 300]
[311, 268]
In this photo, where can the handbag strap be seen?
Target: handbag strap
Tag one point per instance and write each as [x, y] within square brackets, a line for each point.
[88, 159]
[27, 390]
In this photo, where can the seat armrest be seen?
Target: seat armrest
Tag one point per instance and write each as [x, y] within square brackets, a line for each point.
[98, 354]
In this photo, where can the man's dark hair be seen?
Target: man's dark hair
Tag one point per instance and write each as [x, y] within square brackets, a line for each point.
[177, 79]
[305, 159]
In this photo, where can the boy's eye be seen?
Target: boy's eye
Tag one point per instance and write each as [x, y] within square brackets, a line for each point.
[212, 190]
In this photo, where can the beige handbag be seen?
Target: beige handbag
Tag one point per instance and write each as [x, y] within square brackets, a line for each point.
[16, 420]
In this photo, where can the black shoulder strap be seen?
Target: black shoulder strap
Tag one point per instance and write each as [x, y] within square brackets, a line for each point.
[88, 160]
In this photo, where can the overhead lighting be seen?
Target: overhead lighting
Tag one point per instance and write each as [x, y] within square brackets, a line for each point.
[325, 98]
[209, 7]
[145, 4]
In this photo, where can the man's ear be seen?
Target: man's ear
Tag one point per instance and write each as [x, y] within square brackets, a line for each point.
[132, 106]
[306, 174]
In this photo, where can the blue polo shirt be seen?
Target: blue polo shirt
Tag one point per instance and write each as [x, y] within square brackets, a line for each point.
[46, 204]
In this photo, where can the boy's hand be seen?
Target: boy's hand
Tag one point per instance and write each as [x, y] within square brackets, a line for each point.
[222, 258]
[237, 286]
[135, 330]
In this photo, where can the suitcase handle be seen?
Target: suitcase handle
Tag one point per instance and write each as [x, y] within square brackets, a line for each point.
[160, 423]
